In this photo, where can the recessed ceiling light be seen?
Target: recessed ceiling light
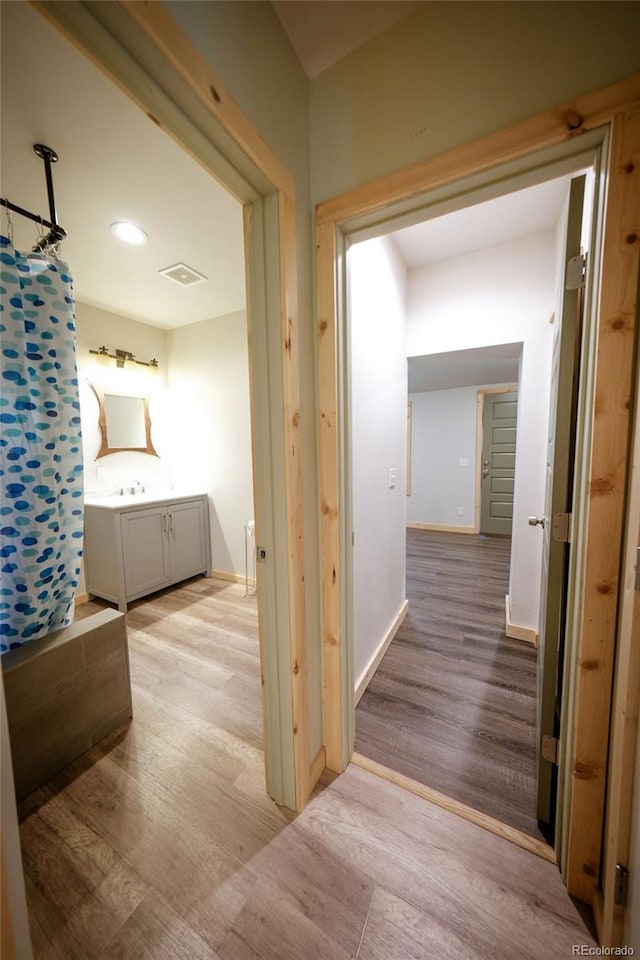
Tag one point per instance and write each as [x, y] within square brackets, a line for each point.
[129, 233]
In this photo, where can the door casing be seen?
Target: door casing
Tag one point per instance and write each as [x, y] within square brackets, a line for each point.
[609, 123]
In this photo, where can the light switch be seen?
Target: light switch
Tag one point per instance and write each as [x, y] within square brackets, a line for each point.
[463, 462]
[392, 478]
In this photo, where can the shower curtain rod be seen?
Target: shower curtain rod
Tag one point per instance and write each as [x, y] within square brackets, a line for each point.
[56, 232]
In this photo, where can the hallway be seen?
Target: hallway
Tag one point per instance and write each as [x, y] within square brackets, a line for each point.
[160, 844]
[452, 704]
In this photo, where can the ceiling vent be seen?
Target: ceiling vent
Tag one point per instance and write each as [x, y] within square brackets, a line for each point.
[182, 274]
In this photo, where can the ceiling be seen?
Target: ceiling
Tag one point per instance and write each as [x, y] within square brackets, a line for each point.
[465, 368]
[493, 223]
[323, 31]
[128, 169]
[115, 164]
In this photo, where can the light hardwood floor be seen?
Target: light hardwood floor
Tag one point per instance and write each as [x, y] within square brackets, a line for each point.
[452, 704]
[162, 845]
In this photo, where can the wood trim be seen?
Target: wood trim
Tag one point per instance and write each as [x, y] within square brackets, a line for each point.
[515, 632]
[380, 651]
[538, 847]
[231, 577]
[622, 754]
[328, 440]
[613, 359]
[438, 527]
[605, 507]
[158, 25]
[317, 768]
[80, 599]
[544, 130]
[289, 332]
[597, 907]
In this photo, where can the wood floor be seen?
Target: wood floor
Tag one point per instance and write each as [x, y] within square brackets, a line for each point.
[452, 704]
[162, 845]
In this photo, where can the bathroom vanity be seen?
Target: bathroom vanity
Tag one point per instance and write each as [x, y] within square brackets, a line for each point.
[139, 543]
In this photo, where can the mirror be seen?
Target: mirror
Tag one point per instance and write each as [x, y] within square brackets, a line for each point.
[124, 423]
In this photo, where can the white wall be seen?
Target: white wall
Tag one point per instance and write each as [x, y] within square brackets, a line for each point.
[500, 295]
[209, 390]
[200, 417]
[443, 431]
[378, 375]
[453, 72]
[96, 328]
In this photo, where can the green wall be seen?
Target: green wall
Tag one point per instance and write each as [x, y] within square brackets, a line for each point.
[453, 72]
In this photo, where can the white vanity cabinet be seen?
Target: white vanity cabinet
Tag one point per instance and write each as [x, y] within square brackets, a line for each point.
[138, 546]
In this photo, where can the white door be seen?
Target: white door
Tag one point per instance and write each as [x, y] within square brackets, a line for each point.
[560, 457]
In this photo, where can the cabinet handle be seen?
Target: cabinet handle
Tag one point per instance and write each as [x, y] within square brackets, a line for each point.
[170, 522]
[166, 523]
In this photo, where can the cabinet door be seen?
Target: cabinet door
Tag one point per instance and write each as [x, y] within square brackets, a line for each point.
[145, 550]
[187, 539]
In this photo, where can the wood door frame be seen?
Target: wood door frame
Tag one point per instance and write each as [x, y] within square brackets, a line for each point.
[616, 111]
[141, 48]
[480, 395]
[624, 727]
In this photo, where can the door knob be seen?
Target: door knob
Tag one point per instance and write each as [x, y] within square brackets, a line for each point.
[534, 521]
[485, 472]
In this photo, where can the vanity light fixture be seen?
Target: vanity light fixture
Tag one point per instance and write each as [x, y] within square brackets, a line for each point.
[129, 233]
[122, 358]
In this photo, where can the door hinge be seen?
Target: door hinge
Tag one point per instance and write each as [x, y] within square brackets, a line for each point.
[621, 888]
[550, 749]
[261, 554]
[561, 527]
[576, 272]
[637, 568]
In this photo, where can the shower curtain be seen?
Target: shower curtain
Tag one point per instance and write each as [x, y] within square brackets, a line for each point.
[41, 512]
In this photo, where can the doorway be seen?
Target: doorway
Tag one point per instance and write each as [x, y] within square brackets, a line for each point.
[367, 231]
[499, 424]
[263, 186]
[459, 612]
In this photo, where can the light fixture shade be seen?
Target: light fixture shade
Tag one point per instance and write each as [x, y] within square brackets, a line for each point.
[129, 233]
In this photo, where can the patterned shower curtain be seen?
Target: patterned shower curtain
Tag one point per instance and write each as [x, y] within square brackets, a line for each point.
[41, 512]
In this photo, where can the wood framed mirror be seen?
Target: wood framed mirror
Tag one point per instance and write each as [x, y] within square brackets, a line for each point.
[125, 424]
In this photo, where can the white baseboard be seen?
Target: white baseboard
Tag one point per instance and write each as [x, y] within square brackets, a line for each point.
[231, 577]
[439, 527]
[514, 631]
[380, 651]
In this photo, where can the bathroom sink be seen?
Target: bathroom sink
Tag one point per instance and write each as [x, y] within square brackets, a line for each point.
[116, 501]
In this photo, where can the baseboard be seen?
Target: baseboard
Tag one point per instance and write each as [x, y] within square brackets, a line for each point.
[316, 769]
[513, 631]
[520, 839]
[438, 527]
[231, 577]
[380, 651]
[80, 598]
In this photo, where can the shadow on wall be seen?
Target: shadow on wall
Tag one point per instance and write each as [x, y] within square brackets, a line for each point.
[222, 558]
